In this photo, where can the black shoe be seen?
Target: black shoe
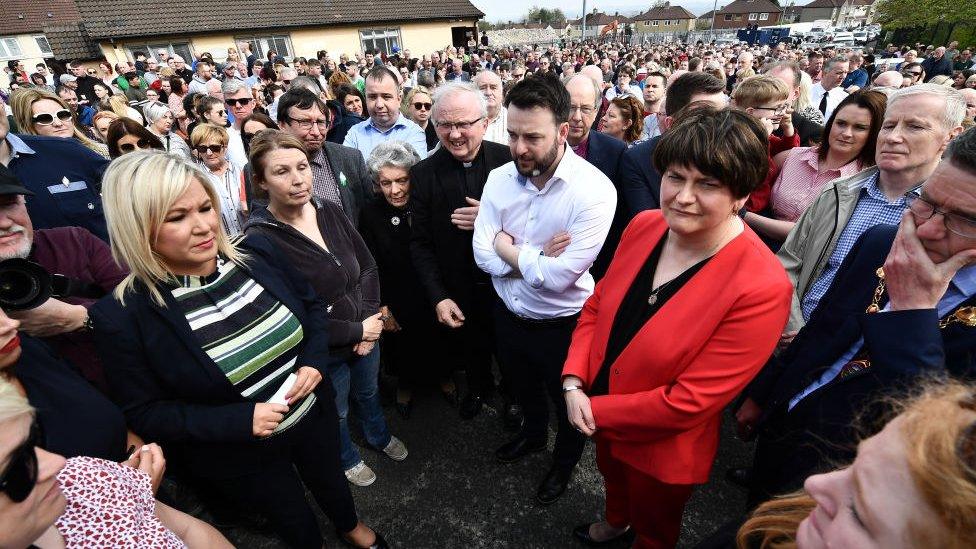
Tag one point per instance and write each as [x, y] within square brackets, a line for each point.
[513, 418]
[740, 476]
[404, 408]
[582, 533]
[471, 406]
[517, 448]
[553, 485]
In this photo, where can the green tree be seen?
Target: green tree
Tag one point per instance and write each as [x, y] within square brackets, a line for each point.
[546, 16]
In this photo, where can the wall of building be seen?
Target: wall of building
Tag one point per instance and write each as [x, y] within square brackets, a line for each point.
[30, 54]
[684, 25]
[809, 15]
[740, 20]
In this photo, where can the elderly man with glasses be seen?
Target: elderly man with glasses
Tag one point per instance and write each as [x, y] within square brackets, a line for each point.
[445, 194]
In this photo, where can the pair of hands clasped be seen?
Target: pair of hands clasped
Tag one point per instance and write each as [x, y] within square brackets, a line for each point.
[267, 416]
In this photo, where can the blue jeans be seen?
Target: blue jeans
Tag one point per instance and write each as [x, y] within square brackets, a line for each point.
[356, 380]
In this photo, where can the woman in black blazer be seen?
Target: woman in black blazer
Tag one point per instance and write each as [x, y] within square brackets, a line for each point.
[201, 343]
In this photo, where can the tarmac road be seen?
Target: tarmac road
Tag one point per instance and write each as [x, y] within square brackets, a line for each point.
[451, 492]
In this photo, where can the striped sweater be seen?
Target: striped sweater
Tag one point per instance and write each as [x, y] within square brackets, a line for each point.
[251, 336]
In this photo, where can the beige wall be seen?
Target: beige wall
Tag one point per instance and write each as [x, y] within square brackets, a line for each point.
[684, 25]
[30, 54]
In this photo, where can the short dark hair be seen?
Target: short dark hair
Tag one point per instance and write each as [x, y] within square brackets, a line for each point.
[302, 99]
[124, 126]
[685, 86]
[379, 72]
[726, 144]
[874, 102]
[314, 63]
[962, 151]
[542, 91]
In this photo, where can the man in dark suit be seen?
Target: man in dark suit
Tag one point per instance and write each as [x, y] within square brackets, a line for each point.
[339, 173]
[811, 404]
[641, 184]
[445, 190]
[598, 149]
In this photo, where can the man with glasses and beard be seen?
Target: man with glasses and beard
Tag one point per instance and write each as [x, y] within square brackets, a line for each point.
[543, 220]
[445, 190]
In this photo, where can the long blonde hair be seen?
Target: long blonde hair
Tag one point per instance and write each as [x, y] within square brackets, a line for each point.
[939, 427]
[138, 189]
[12, 403]
[23, 99]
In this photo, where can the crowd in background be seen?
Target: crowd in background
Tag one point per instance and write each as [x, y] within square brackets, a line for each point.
[633, 237]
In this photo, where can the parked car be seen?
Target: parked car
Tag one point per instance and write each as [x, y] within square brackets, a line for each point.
[861, 37]
[843, 39]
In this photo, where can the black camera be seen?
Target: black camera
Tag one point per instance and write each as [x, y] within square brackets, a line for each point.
[26, 285]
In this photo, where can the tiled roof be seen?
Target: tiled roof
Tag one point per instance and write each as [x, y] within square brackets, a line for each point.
[27, 16]
[125, 18]
[751, 6]
[600, 18]
[71, 42]
[825, 4]
[665, 12]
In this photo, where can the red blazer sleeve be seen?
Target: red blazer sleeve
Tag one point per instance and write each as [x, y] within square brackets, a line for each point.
[733, 355]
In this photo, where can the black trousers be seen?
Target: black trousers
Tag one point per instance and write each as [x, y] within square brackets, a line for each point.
[310, 456]
[533, 355]
[471, 346]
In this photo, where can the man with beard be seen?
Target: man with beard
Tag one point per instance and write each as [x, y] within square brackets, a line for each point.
[543, 220]
[445, 190]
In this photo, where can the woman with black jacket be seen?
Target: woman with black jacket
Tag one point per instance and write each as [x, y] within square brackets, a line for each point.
[317, 240]
[218, 353]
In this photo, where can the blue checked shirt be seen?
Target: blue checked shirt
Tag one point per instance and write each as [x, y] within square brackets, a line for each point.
[873, 208]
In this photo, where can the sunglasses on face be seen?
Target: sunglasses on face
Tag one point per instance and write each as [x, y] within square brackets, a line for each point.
[47, 118]
[421, 106]
[19, 478]
[242, 102]
[215, 149]
[129, 147]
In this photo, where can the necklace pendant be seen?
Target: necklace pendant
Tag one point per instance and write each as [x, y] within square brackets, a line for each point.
[652, 299]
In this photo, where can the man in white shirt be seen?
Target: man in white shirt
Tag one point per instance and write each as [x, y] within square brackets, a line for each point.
[490, 85]
[542, 221]
[827, 94]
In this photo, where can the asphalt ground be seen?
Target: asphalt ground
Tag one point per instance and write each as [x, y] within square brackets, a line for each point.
[451, 492]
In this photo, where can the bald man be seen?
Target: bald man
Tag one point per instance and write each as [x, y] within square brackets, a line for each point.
[888, 79]
[936, 64]
[490, 85]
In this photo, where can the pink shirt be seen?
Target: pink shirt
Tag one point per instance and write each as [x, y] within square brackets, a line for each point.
[800, 182]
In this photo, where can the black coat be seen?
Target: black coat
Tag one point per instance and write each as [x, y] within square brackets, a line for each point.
[641, 182]
[441, 252]
[605, 152]
[172, 393]
[823, 428]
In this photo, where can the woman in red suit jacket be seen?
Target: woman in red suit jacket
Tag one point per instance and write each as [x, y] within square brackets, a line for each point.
[688, 312]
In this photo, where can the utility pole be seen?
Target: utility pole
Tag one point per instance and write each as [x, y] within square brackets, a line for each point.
[583, 22]
[714, 14]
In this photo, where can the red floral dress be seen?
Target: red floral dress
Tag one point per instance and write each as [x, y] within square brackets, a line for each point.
[110, 505]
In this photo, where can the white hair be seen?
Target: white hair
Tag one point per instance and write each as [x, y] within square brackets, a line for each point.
[955, 103]
[456, 87]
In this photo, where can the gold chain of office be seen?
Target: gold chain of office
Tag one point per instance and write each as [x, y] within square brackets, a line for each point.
[963, 315]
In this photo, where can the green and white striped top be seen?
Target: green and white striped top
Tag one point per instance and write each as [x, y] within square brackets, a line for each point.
[253, 337]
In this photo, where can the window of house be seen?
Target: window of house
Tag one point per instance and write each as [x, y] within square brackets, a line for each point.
[43, 45]
[172, 48]
[728, 16]
[261, 45]
[383, 40]
[654, 23]
[667, 22]
[763, 16]
[9, 48]
[753, 16]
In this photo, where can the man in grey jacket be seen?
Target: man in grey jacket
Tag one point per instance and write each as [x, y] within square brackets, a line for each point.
[338, 172]
[918, 124]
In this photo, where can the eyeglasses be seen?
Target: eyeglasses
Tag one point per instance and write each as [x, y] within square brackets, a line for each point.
[129, 147]
[202, 149]
[244, 101]
[91, 72]
[47, 118]
[585, 110]
[461, 126]
[307, 124]
[911, 73]
[954, 223]
[19, 478]
[286, 82]
[421, 106]
[775, 110]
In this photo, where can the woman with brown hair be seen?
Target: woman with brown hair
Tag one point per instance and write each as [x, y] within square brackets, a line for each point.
[911, 485]
[624, 119]
[125, 135]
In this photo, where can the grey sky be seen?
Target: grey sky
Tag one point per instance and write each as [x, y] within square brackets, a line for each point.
[505, 10]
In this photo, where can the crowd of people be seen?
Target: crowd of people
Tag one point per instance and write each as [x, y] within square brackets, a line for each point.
[622, 241]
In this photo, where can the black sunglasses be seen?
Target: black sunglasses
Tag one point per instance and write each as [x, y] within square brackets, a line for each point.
[47, 118]
[202, 149]
[129, 147]
[245, 101]
[420, 105]
[19, 478]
